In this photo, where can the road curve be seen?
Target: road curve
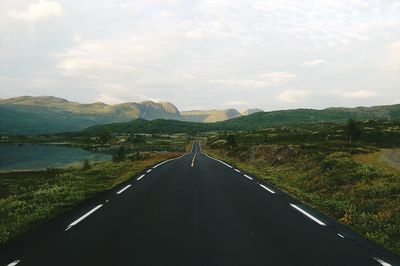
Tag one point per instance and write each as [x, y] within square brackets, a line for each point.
[194, 210]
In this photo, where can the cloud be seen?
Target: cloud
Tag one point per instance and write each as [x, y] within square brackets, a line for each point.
[261, 81]
[213, 51]
[236, 103]
[37, 11]
[360, 94]
[313, 63]
[277, 77]
[294, 96]
[391, 61]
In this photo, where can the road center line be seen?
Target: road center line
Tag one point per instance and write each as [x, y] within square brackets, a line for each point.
[194, 158]
[267, 189]
[83, 216]
[249, 177]
[125, 188]
[14, 263]
[307, 214]
[384, 263]
[140, 177]
[340, 235]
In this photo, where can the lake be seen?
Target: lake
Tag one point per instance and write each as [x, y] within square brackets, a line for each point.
[42, 156]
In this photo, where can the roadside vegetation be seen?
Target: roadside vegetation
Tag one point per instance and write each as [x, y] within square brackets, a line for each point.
[319, 164]
[30, 198]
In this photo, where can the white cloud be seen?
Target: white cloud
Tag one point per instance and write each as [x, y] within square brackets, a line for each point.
[277, 77]
[294, 96]
[360, 94]
[214, 51]
[391, 62]
[105, 97]
[313, 63]
[37, 11]
[143, 97]
[262, 81]
[236, 103]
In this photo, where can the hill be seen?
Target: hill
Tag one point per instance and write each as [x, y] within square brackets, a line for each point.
[210, 116]
[38, 115]
[29, 115]
[257, 120]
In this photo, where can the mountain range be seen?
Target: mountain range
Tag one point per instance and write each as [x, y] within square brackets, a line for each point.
[29, 115]
[255, 121]
[38, 115]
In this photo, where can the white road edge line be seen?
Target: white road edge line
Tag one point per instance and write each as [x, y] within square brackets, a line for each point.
[267, 189]
[125, 188]
[168, 161]
[237, 170]
[154, 167]
[307, 214]
[219, 161]
[83, 217]
[249, 177]
[140, 177]
[384, 263]
[340, 235]
[14, 263]
[148, 171]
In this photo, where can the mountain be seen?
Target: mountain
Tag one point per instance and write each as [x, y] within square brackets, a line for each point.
[29, 115]
[210, 115]
[47, 114]
[39, 115]
[256, 120]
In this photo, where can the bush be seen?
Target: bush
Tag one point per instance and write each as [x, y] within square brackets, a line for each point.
[119, 155]
[86, 165]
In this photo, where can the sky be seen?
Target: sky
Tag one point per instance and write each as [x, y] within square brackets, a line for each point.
[205, 54]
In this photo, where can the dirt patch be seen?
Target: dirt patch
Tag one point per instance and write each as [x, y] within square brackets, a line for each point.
[392, 158]
[387, 159]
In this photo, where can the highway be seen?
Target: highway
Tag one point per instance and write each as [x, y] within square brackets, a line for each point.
[194, 210]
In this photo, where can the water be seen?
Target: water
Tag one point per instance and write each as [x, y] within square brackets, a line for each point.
[42, 156]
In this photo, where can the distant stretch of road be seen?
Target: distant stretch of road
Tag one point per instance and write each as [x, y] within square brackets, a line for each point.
[194, 210]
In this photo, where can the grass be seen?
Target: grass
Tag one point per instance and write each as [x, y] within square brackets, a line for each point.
[363, 197]
[30, 198]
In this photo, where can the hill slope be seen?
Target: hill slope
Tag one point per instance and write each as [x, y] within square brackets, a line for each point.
[29, 115]
[37, 115]
[209, 115]
[256, 121]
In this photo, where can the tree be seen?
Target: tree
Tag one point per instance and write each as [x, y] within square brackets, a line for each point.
[353, 131]
[104, 136]
[231, 141]
[119, 155]
[86, 165]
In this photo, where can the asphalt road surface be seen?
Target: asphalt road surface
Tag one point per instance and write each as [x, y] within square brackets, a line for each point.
[194, 210]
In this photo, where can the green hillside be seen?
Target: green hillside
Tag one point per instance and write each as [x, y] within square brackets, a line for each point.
[256, 121]
[38, 115]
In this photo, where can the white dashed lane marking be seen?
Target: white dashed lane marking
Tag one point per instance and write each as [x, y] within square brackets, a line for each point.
[125, 188]
[83, 216]
[307, 214]
[267, 189]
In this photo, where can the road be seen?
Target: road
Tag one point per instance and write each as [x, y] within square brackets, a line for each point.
[194, 210]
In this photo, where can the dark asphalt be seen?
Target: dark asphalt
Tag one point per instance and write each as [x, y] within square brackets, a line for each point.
[208, 214]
